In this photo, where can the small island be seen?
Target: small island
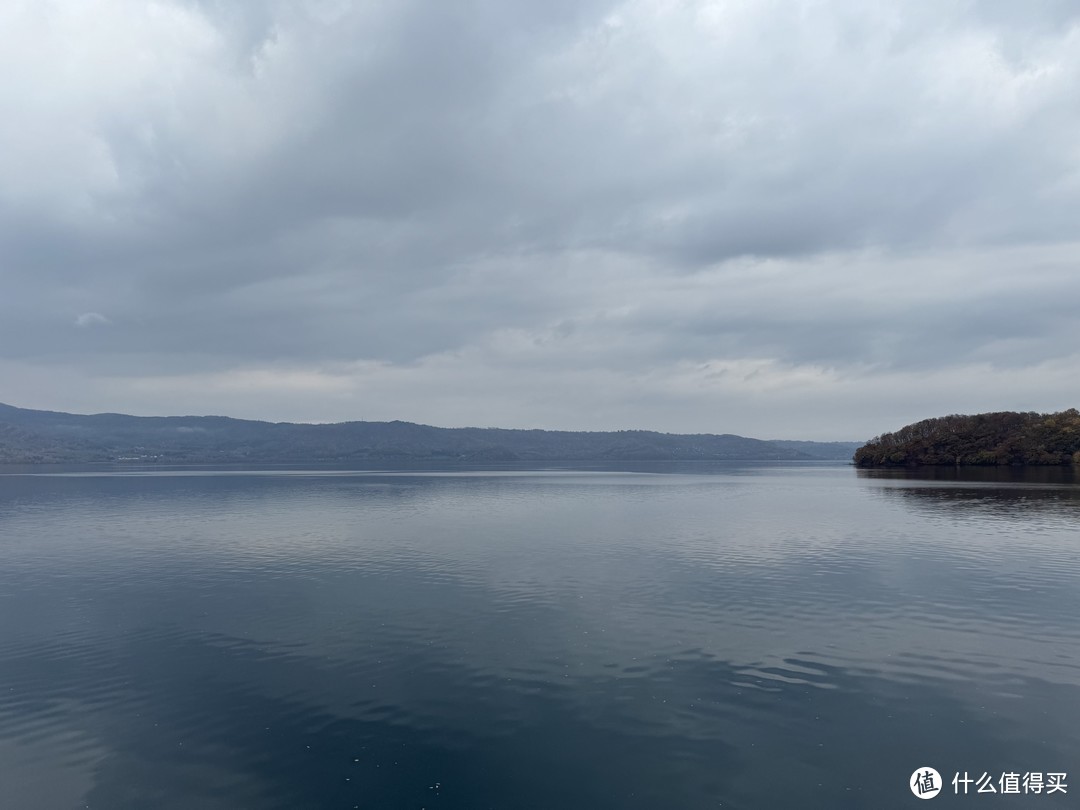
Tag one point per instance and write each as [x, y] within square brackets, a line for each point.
[1005, 438]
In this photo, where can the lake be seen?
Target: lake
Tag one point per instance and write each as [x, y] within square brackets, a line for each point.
[648, 636]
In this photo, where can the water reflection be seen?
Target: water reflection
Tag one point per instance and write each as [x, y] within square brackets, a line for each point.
[1009, 494]
[1066, 475]
[763, 637]
[245, 724]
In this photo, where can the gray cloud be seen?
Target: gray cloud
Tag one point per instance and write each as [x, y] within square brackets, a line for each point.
[91, 319]
[667, 213]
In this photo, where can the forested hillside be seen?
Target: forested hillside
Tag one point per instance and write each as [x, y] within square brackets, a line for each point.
[31, 436]
[1004, 438]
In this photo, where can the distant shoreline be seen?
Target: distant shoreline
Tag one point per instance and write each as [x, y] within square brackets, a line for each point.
[32, 437]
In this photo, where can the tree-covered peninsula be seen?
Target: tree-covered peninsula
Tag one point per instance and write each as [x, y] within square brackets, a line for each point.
[987, 439]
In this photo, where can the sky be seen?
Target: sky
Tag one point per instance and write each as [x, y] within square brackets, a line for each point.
[808, 219]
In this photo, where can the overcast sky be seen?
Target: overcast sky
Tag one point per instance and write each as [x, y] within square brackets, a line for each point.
[816, 220]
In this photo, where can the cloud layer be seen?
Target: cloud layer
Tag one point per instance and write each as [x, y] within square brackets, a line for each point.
[815, 220]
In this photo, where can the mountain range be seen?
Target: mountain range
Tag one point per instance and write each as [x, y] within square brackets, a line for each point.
[34, 436]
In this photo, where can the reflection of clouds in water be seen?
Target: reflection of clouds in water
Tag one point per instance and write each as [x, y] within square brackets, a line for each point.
[605, 641]
[34, 775]
[743, 568]
[191, 719]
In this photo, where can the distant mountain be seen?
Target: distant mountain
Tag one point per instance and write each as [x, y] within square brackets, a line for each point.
[829, 451]
[30, 436]
[1003, 438]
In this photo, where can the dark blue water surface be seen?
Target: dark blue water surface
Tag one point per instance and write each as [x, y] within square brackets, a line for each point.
[650, 637]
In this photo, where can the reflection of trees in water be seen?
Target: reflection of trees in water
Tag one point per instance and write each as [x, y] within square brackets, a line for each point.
[1000, 492]
[1060, 475]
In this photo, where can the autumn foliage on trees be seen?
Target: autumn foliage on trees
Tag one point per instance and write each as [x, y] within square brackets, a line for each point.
[1005, 438]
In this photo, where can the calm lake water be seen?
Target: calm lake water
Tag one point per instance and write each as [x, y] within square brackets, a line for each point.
[762, 636]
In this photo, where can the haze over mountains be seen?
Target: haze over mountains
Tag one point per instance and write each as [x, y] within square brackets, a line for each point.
[33, 436]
